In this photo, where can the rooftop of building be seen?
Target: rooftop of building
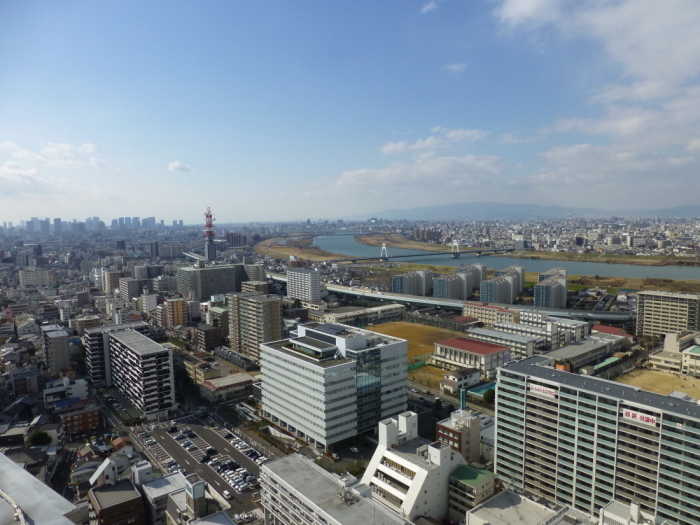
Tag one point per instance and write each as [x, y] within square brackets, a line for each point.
[576, 349]
[139, 343]
[229, 381]
[322, 489]
[125, 326]
[692, 350]
[509, 508]
[659, 293]
[613, 330]
[471, 476]
[56, 333]
[41, 504]
[540, 368]
[414, 451]
[218, 518]
[160, 487]
[516, 338]
[489, 306]
[110, 495]
[284, 347]
[301, 270]
[472, 345]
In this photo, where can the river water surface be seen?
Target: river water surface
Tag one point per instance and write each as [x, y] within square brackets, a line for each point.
[346, 244]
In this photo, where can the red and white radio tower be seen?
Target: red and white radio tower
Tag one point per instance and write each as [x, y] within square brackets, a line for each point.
[209, 247]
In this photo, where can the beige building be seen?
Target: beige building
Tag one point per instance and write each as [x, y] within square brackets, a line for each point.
[661, 313]
[227, 389]
[37, 277]
[489, 314]
[254, 318]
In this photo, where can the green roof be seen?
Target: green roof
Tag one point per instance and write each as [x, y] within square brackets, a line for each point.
[471, 476]
[608, 361]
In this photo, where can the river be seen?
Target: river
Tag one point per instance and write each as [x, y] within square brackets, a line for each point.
[346, 244]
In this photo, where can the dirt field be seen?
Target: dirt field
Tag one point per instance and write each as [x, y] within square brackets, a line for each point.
[427, 375]
[420, 337]
[661, 383]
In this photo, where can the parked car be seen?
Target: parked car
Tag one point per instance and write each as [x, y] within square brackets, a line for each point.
[172, 430]
[354, 449]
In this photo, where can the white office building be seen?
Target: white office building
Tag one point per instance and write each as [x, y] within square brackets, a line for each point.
[142, 370]
[409, 474]
[304, 284]
[333, 382]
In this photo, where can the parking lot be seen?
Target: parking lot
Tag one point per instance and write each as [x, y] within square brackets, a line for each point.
[164, 448]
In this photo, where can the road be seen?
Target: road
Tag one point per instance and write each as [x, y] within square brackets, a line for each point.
[241, 502]
[425, 391]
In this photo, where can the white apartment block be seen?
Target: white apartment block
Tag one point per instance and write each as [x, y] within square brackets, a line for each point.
[54, 341]
[296, 491]
[661, 313]
[409, 474]
[304, 284]
[333, 382]
[142, 370]
[583, 441]
[37, 277]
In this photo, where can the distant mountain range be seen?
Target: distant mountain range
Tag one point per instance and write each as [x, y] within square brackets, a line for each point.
[489, 211]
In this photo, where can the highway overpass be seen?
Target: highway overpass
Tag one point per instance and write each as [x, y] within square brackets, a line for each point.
[456, 304]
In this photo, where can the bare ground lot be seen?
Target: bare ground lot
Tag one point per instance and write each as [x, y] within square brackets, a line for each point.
[420, 337]
[661, 382]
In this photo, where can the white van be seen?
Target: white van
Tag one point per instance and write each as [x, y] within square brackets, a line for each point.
[227, 494]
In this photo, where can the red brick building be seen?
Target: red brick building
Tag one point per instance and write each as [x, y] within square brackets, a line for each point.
[87, 420]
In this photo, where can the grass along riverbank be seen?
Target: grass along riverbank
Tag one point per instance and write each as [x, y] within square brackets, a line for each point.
[283, 247]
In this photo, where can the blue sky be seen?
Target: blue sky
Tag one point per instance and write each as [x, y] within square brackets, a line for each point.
[286, 110]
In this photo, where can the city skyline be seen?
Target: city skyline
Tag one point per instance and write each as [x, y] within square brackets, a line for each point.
[378, 105]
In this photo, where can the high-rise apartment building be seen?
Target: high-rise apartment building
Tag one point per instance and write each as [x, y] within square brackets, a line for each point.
[661, 313]
[448, 287]
[130, 287]
[96, 342]
[110, 281]
[142, 370]
[211, 280]
[550, 290]
[173, 312]
[234, 240]
[54, 342]
[253, 319]
[583, 441]
[333, 382]
[497, 290]
[413, 283]
[303, 284]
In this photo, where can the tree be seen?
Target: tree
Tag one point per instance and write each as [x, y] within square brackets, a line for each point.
[40, 439]
[437, 407]
[490, 396]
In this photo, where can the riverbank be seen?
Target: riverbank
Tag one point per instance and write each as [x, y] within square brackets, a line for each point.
[394, 240]
[638, 260]
[284, 247]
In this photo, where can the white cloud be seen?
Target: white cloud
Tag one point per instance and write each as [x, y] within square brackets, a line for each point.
[88, 148]
[394, 147]
[428, 7]
[97, 163]
[61, 149]
[16, 180]
[652, 42]
[455, 68]
[178, 167]
[441, 138]
[8, 145]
